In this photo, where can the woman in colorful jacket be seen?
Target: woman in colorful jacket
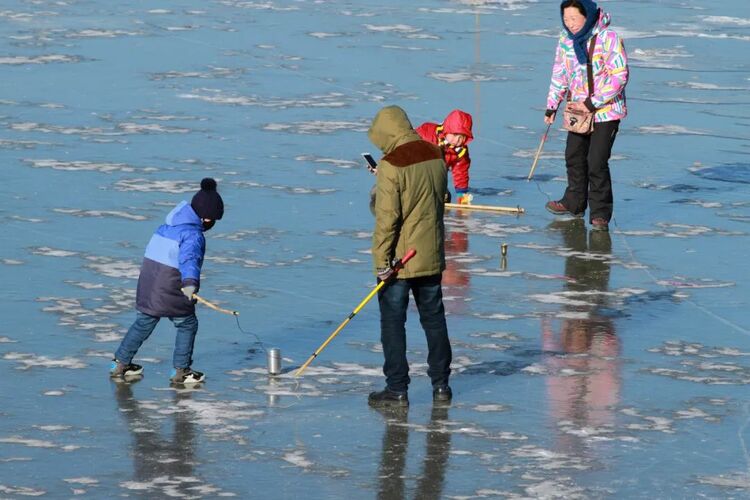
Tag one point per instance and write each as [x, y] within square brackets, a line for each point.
[587, 156]
[453, 136]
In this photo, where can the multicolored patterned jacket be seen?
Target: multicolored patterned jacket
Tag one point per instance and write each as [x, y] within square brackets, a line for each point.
[610, 67]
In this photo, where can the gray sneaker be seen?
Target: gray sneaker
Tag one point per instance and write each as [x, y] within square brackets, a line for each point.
[121, 370]
[186, 376]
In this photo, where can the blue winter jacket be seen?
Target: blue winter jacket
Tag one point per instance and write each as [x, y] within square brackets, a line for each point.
[173, 259]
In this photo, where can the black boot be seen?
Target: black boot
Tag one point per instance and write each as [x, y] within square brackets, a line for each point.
[442, 394]
[387, 397]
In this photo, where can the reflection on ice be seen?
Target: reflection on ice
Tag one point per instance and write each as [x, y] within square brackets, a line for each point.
[164, 464]
[394, 449]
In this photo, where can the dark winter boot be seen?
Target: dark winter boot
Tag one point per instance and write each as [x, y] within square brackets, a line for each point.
[387, 397]
[442, 394]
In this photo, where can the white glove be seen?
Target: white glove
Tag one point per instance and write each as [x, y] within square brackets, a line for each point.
[189, 291]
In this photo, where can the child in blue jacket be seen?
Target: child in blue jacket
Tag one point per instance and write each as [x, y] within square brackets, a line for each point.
[170, 276]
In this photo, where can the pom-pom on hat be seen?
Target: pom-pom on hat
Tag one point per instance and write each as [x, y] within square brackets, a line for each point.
[207, 202]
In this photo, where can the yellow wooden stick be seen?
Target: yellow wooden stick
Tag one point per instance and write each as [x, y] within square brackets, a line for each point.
[485, 208]
[538, 152]
[370, 295]
[340, 327]
[214, 307]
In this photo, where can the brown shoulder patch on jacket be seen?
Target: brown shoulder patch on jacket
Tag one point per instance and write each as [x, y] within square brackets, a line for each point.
[413, 152]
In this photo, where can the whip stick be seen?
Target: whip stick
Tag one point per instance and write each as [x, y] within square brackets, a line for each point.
[213, 306]
[370, 295]
[484, 208]
[538, 152]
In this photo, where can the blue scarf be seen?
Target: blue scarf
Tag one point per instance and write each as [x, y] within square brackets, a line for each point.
[580, 38]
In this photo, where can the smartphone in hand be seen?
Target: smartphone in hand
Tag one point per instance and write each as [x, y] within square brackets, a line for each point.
[372, 165]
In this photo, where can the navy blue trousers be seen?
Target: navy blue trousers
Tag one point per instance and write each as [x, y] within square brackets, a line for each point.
[394, 300]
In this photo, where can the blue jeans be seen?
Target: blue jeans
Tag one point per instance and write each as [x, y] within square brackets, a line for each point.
[394, 300]
[143, 326]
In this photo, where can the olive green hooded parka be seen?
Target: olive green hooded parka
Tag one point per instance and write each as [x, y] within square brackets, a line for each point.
[410, 193]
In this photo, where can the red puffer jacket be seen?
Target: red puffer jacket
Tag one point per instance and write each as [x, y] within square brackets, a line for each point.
[456, 158]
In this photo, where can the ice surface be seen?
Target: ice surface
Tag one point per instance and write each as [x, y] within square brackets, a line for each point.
[585, 365]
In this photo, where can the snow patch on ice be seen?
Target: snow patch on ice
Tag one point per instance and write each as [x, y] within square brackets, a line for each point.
[490, 408]
[318, 127]
[27, 361]
[43, 59]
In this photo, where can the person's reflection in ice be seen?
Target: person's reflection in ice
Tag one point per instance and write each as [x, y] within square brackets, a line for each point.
[456, 279]
[393, 455]
[391, 472]
[582, 357]
[165, 464]
[430, 484]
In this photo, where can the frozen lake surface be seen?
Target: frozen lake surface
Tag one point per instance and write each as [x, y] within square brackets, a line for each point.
[585, 365]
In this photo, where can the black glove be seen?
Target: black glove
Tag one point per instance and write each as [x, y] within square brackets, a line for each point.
[550, 112]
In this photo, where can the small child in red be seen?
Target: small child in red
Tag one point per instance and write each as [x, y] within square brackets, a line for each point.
[453, 137]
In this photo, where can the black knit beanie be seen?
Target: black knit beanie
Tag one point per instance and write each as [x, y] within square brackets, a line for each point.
[207, 203]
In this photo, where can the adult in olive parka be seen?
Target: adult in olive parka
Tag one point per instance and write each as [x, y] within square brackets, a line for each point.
[410, 191]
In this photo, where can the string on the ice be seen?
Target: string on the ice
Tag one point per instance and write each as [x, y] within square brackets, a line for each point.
[655, 280]
[258, 340]
[705, 311]
[549, 198]
[296, 393]
[539, 186]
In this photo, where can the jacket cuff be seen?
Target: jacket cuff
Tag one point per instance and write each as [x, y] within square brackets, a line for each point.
[191, 282]
[550, 112]
[589, 105]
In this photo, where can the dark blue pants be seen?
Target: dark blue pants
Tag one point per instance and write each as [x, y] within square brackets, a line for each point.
[394, 300]
[143, 326]
[589, 180]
